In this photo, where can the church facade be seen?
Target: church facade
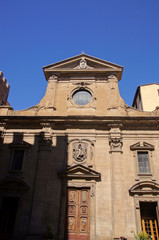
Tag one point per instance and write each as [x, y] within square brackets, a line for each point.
[80, 161]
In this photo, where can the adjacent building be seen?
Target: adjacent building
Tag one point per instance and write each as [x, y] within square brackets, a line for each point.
[81, 160]
[146, 97]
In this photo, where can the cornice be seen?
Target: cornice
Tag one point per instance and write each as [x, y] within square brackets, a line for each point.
[60, 122]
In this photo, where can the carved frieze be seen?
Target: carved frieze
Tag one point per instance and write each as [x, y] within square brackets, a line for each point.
[81, 84]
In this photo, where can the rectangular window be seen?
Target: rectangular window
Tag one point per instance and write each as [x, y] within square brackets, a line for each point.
[143, 162]
[17, 160]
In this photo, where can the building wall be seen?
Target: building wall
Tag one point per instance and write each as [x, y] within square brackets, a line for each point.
[138, 101]
[112, 206]
[105, 94]
[150, 96]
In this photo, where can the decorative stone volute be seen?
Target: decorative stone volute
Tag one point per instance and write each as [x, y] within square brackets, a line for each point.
[115, 100]
[48, 101]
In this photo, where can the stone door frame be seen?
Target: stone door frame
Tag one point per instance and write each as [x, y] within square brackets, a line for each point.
[137, 200]
[78, 184]
[92, 186]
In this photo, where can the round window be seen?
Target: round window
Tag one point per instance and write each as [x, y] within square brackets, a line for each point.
[81, 97]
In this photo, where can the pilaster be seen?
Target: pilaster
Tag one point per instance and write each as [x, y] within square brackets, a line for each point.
[40, 187]
[116, 144]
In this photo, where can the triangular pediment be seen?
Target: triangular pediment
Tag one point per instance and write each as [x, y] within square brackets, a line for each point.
[80, 172]
[82, 64]
[142, 146]
[144, 187]
[20, 144]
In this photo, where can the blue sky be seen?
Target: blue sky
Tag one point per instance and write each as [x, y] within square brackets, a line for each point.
[35, 33]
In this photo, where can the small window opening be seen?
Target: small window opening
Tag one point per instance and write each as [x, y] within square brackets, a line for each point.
[17, 160]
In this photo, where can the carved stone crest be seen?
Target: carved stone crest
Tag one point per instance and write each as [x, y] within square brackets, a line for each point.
[115, 144]
[83, 63]
[80, 152]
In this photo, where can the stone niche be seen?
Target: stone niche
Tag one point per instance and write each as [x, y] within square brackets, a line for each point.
[81, 151]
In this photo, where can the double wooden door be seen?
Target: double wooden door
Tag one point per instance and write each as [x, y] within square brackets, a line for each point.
[78, 214]
[149, 226]
[149, 218]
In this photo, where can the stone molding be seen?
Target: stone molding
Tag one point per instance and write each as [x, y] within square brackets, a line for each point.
[106, 123]
[144, 188]
[80, 172]
[142, 146]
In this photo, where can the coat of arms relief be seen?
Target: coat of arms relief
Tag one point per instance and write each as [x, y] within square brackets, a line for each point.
[80, 152]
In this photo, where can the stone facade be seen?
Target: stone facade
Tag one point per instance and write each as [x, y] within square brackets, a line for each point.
[81, 160]
[4, 90]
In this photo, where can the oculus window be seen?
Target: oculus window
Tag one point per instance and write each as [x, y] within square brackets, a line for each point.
[81, 97]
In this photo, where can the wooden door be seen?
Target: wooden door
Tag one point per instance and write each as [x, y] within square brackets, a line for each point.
[150, 227]
[78, 214]
[149, 212]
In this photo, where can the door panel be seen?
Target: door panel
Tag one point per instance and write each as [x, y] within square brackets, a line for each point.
[78, 214]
